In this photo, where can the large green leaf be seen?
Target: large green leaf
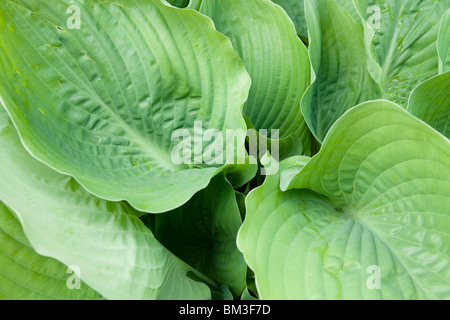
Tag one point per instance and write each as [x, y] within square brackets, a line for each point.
[443, 44]
[296, 11]
[26, 275]
[339, 61]
[116, 254]
[350, 8]
[276, 59]
[101, 102]
[430, 101]
[203, 233]
[402, 42]
[373, 202]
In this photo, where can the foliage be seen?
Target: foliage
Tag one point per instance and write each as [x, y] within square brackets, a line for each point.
[225, 149]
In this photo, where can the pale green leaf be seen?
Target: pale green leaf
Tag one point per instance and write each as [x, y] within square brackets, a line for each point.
[101, 102]
[296, 11]
[339, 61]
[350, 8]
[290, 168]
[366, 218]
[430, 101]
[195, 4]
[401, 36]
[116, 254]
[443, 44]
[26, 275]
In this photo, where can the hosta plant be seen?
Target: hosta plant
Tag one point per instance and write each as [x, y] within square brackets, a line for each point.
[225, 149]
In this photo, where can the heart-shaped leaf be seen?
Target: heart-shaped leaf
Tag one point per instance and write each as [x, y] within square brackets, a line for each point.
[101, 99]
[366, 218]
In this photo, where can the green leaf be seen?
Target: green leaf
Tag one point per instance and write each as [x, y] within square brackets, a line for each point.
[226, 294]
[277, 61]
[246, 296]
[402, 42]
[101, 103]
[443, 44]
[290, 168]
[430, 101]
[339, 61]
[240, 200]
[373, 202]
[203, 233]
[179, 3]
[350, 8]
[26, 275]
[195, 4]
[117, 255]
[296, 11]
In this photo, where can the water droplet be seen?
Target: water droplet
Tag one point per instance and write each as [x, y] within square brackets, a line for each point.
[396, 231]
[406, 220]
